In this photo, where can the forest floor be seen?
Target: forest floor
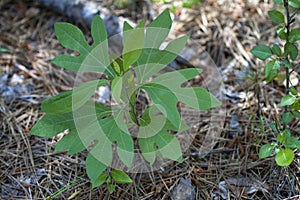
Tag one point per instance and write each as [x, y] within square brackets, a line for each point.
[227, 168]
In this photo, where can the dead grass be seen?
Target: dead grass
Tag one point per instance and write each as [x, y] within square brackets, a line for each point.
[226, 29]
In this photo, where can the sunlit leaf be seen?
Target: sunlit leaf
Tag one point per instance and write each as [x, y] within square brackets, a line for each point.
[271, 70]
[287, 100]
[294, 3]
[119, 176]
[280, 30]
[284, 157]
[266, 150]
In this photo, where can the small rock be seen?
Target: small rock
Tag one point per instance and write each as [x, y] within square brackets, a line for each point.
[185, 190]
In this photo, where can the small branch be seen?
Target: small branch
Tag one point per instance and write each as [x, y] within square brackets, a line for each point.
[288, 21]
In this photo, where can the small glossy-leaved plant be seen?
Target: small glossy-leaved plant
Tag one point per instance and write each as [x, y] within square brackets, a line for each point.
[281, 58]
[115, 131]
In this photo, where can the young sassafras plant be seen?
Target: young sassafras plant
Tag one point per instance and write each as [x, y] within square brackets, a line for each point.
[112, 132]
[281, 58]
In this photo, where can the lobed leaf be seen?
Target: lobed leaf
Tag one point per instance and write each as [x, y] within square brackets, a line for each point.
[166, 101]
[52, 124]
[195, 97]
[169, 146]
[133, 45]
[72, 99]
[123, 139]
[153, 60]
[158, 30]
[94, 58]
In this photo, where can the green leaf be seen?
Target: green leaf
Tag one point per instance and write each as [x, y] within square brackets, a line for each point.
[166, 101]
[276, 50]
[169, 146]
[287, 100]
[296, 114]
[93, 58]
[280, 30]
[261, 51]
[163, 144]
[276, 16]
[195, 97]
[287, 118]
[294, 91]
[4, 50]
[70, 142]
[71, 100]
[119, 176]
[283, 135]
[273, 126]
[266, 150]
[91, 132]
[158, 30]
[111, 188]
[94, 169]
[154, 139]
[284, 157]
[296, 105]
[153, 60]
[271, 70]
[52, 124]
[124, 141]
[116, 88]
[155, 123]
[278, 1]
[294, 35]
[100, 180]
[292, 143]
[291, 49]
[133, 46]
[127, 29]
[285, 63]
[148, 148]
[294, 3]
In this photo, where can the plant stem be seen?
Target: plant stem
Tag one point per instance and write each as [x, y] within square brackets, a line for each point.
[287, 74]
